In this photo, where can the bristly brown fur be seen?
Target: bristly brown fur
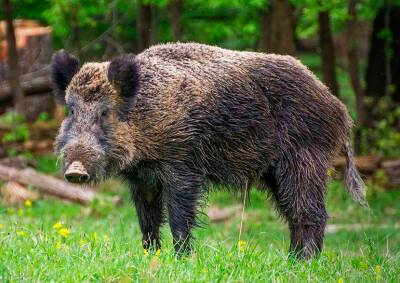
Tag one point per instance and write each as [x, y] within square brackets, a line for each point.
[192, 113]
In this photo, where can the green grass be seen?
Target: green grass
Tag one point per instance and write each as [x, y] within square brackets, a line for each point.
[104, 244]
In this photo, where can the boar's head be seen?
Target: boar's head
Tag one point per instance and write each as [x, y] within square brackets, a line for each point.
[93, 140]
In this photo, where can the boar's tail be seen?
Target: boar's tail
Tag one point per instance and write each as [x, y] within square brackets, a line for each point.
[354, 183]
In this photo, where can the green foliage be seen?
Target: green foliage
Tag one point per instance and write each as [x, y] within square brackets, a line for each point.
[47, 164]
[308, 22]
[229, 23]
[383, 138]
[29, 9]
[76, 22]
[19, 130]
[43, 117]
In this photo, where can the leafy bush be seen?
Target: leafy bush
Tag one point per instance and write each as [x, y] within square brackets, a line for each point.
[19, 130]
[383, 137]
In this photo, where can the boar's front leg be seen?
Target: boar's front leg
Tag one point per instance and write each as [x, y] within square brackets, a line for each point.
[147, 198]
[182, 192]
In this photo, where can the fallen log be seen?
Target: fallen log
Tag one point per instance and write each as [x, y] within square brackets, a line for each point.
[392, 171]
[35, 147]
[370, 165]
[365, 164]
[30, 86]
[18, 162]
[48, 184]
[14, 193]
[216, 214]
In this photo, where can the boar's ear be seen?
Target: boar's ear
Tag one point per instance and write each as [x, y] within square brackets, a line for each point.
[63, 67]
[123, 73]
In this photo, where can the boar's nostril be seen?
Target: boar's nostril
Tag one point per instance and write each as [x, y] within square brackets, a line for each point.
[76, 173]
[77, 178]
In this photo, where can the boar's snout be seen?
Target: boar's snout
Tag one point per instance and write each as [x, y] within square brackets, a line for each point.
[76, 173]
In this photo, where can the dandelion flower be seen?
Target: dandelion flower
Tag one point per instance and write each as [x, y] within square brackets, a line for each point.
[58, 245]
[158, 252]
[242, 245]
[28, 203]
[145, 252]
[58, 225]
[83, 242]
[95, 236]
[378, 272]
[64, 232]
[61, 246]
[21, 233]
[363, 265]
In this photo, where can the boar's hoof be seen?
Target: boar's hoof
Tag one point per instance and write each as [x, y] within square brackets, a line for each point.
[76, 173]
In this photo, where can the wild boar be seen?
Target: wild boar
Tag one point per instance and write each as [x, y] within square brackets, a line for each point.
[178, 116]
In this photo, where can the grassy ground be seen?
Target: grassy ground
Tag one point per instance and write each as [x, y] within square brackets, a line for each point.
[103, 244]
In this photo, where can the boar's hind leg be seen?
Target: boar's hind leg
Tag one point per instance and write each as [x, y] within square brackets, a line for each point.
[298, 185]
[182, 192]
[147, 198]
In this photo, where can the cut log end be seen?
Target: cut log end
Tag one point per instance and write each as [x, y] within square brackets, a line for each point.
[14, 194]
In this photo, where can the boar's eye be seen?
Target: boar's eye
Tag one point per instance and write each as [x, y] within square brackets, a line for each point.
[71, 111]
[104, 114]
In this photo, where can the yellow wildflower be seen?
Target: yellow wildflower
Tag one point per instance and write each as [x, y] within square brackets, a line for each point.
[242, 245]
[158, 252]
[363, 265]
[340, 280]
[95, 237]
[21, 233]
[1, 226]
[58, 245]
[28, 203]
[58, 225]
[61, 246]
[83, 242]
[145, 252]
[64, 232]
[378, 272]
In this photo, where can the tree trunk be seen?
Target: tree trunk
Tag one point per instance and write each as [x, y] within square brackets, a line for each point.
[354, 73]
[327, 52]
[378, 73]
[144, 25]
[154, 24]
[175, 9]
[14, 74]
[281, 27]
[264, 31]
[29, 86]
[383, 70]
[76, 32]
